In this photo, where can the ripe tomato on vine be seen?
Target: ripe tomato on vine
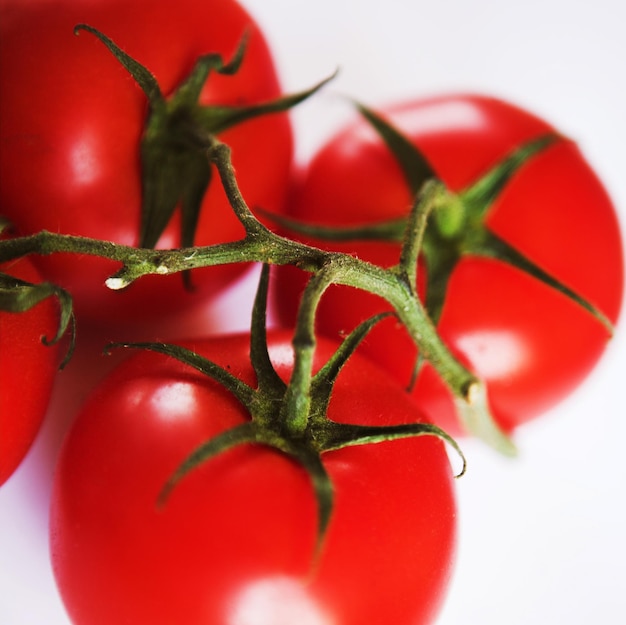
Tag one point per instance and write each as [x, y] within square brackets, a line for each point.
[530, 343]
[70, 155]
[235, 540]
[275, 476]
[30, 355]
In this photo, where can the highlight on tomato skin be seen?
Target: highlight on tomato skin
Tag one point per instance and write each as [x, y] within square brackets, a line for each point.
[532, 345]
[70, 140]
[235, 540]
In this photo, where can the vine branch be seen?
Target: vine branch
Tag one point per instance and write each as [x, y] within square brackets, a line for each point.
[262, 245]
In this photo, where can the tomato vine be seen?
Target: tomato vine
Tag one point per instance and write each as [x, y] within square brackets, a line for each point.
[290, 418]
[179, 153]
[263, 245]
[396, 285]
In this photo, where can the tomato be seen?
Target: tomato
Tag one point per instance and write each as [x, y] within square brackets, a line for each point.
[530, 343]
[235, 541]
[69, 138]
[28, 369]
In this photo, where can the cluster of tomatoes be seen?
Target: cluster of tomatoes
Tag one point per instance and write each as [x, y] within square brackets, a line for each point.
[523, 274]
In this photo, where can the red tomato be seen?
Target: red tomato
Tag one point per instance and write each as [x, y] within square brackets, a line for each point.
[235, 541]
[531, 344]
[27, 370]
[70, 133]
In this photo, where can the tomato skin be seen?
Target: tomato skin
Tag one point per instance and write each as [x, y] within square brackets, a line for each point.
[234, 542]
[69, 139]
[28, 369]
[530, 344]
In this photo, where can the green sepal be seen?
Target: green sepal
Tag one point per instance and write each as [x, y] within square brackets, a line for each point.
[479, 196]
[324, 380]
[268, 381]
[492, 246]
[143, 77]
[459, 222]
[264, 404]
[340, 435]
[250, 433]
[461, 228]
[239, 435]
[415, 166]
[242, 392]
[220, 118]
[457, 228]
[388, 230]
[189, 91]
[17, 296]
[324, 493]
[175, 166]
[329, 435]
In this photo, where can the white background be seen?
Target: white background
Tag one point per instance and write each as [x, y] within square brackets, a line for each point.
[542, 537]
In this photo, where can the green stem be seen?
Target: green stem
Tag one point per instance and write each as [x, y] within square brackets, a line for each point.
[351, 271]
[262, 245]
[426, 201]
[297, 403]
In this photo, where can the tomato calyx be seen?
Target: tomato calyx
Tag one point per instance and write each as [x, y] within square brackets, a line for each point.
[177, 133]
[458, 227]
[19, 296]
[289, 417]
